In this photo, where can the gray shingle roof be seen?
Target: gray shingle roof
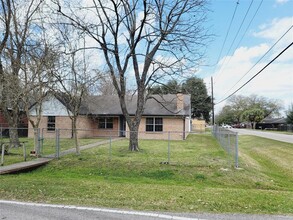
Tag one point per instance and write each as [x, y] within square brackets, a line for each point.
[160, 105]
[274, 120]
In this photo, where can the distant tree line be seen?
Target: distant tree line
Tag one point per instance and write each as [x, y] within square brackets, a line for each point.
[251, 109]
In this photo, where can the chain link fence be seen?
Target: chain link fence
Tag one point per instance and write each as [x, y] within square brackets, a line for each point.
[228, 140]
[114, 145]
[33, 143]
[13, 142]
[159, 147]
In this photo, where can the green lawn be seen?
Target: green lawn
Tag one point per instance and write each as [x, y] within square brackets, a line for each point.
[200, 177]
[16, 155]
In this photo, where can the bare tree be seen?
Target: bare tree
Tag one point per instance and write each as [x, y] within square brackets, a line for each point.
[72, 91]
[13, 57]
[105, 85]
[5, 20]
[143, 41]
[73, 75]
[38, 70]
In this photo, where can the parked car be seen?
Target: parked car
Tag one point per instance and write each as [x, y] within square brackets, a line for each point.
[226, 126]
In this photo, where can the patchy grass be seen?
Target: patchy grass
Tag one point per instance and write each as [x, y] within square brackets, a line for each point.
[16, 155]
[199, 178]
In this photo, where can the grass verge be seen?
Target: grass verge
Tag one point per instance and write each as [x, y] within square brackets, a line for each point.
[200, 178]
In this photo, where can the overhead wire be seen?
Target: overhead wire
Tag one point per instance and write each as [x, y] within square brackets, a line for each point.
[244, 18]
[260, 58]
[228, 31]
[276, 57]
[255, 13]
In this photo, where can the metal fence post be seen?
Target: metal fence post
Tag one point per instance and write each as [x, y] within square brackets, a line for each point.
[42, 140]
[236, 151]
[169, 147]
[24, 151]
[57, 155]
[2, 154]
[110, 148]
[229, 143]
[38, 141]
[225, 137]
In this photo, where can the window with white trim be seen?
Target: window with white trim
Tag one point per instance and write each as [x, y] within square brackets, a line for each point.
[154, 124]
[105, 123]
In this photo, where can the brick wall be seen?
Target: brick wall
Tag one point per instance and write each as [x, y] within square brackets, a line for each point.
[3, 122]
[86, 126]
[107, 132]
[61, 122]
[174, 125]
[23, 122]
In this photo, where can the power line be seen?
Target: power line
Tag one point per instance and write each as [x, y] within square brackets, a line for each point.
[232, 19]
[260, 59]
[250, 23]
[256, 73]
[235, 37]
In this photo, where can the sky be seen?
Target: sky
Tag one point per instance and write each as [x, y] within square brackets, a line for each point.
[240, 48]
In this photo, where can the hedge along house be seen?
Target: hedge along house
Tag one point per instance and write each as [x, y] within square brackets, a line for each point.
[102, 116]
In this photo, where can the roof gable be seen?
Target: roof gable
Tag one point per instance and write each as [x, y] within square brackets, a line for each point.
[51, 106]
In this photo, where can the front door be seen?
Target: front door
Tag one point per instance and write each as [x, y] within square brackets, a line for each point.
[122, 126]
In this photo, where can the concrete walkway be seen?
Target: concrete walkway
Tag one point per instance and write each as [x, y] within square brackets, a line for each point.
[17, 167]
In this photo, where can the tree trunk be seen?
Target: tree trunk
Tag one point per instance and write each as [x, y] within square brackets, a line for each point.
[253, 124]
[133, 140]
[36, 140]
[75, 135]
[13, 136]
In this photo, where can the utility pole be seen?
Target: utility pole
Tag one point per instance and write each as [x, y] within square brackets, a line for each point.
[213, 106]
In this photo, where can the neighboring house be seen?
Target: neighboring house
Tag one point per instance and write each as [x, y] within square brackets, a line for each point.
[3, 122]
[102, 116]
[22, 126]
[23, 122]
[271, 123]
[198, 125]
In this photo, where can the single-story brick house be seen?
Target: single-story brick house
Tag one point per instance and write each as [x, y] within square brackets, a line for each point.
[22, 125]
[102, 116]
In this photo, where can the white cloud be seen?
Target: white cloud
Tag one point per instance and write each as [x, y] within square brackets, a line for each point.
[275, 82]
[246, 54]
[275, 29]
[281, 1]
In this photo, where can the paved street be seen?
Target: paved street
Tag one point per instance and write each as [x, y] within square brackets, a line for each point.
[271, 135]
[11, 210]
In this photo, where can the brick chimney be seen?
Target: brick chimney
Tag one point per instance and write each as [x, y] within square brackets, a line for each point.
[180, 101]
